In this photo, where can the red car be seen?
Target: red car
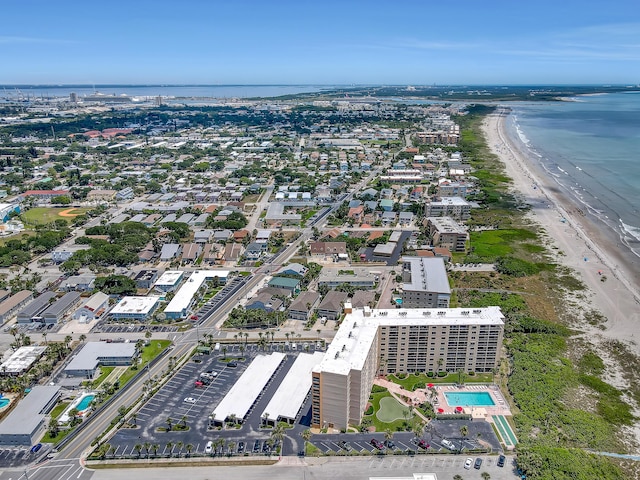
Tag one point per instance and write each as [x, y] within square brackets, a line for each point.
[377, 443]
[423, 444]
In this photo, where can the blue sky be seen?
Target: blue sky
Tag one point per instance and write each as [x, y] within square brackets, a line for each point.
[319, 42]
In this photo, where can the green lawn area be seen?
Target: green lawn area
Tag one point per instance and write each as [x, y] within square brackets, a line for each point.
[104, 373]
[43, 215]
[391, 410]
[61, 434]
[422, 380]
[381, 426]
[154, 349]
[58, 409]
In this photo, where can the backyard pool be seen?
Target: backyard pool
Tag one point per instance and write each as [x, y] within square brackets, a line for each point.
[84, 403]
[4, 402]
[469, 399]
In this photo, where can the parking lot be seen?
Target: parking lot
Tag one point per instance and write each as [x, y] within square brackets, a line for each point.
[106, 327]
[170, 402]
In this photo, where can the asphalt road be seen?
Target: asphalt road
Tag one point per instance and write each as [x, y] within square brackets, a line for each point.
[327, 468]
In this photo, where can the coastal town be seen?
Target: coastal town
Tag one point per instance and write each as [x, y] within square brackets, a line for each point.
[229, 280]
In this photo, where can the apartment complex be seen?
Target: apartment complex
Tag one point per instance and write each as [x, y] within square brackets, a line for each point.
[371, 342]
[447, 233]
[425, 283]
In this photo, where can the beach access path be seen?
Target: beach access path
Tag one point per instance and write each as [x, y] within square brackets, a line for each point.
[584, 249]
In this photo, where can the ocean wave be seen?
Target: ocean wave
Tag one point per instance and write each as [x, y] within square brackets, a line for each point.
[522, 136]
[630, 230]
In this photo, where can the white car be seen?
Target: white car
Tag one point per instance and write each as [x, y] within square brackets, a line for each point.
[209, 447]
[468, 462]
[190, 400]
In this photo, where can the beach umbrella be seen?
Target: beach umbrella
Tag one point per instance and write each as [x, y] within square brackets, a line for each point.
[458, 409]
[430, 385]
[441, 410]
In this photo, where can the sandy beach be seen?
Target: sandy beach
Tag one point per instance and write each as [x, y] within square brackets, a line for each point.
[583, 246]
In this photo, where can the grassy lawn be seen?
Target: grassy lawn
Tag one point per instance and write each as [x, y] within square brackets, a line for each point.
[58, 409]
[381, 426]
[154, 349]
[44, 215]
[490, 244]
[61, 434]
[104, 373]
[413, 379]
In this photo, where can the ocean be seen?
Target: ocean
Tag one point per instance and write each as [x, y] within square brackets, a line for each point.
[591, 148]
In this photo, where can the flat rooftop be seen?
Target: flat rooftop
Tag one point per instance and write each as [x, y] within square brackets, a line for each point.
[428, 274]
[182, 299]
[170, 277]
[353, 340]
[135, 305]
[294, 388]
[89, 357]
[244, 392]
[21, 359]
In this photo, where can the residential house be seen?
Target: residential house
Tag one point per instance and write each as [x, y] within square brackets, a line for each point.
[293, 269]
[78, 283]
[332, 305]
[290, 284]
[264, 302]
[302, 307]
[170, 251]
[191, 252]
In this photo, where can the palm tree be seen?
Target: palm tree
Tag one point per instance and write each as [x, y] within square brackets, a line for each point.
[179, 445]
[231, 447]
[464, 431]
[82, 337]
[277, 433]
[183, 420]
[155, 447]
[485, 475]
[417, 429]
[147, 447]
[457, 477]
[306, 434]
[44, 337]
[170, 447]
[224, 352]
[189, 448]
[67, 341]
[134, 417]
[265, 418]
[169, 422]
[54, 428]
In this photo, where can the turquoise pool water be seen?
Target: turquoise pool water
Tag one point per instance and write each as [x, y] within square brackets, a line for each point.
[84, 403]
[4, 402]
[469, 399]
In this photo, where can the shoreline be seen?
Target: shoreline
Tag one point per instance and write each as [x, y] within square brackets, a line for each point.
[584, 245]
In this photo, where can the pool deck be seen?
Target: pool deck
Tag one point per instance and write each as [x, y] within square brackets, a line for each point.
[437, 398]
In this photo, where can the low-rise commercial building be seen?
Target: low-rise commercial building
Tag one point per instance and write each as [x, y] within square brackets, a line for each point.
[21, 360]
[93, 308]
[169, 280]
[14, 304]
[134, 308]
[32, 312]
[26, 423]
[57, 310]
[100, 354]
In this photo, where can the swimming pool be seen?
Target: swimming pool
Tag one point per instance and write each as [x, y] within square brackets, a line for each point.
[4, 402]
[469, 399]
[84, 403]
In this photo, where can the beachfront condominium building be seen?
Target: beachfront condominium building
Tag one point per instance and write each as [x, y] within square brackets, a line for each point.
[425, 283]
[371, 342]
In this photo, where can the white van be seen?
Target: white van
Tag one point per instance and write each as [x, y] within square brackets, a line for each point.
[448, 444]
[217, 347]
[209, 447]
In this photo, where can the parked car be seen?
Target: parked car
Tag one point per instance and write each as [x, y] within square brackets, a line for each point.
[344, 446]
[36, 448]
[208, 447]
[256, 446]
[468, 463]
[240, 447]
[448, 444]
[389, 444]
[233, 363]
[422, 443]
[377, 443]
[190, 400]
[478, 463]
[501, 460]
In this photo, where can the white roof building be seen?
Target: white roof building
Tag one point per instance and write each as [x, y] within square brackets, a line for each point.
[293, 390]
[136, 307]
[21, 360]
[244, 392]
[183, 298]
